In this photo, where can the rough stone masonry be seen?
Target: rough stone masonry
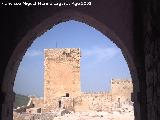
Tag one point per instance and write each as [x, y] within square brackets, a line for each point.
[61, 74]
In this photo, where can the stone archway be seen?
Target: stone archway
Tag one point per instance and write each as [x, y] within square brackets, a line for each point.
[10, 72]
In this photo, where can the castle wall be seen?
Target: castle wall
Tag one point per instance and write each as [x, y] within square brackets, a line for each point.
[121, 89]
[93, 101]
[118, 97]
[100, 102]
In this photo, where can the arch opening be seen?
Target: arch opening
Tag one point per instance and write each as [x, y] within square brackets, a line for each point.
[25, 43]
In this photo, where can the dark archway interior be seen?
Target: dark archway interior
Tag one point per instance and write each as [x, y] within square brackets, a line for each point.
[133, 25]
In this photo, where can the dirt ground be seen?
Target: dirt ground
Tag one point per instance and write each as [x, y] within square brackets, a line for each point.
[97, 116]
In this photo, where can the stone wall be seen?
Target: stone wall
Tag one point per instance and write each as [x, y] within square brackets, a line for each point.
[93, 101]
[119, 96]
[61, 73]
[37, 102]
[121, 89]
[151, 36]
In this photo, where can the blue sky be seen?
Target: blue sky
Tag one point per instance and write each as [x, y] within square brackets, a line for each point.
[101, 59]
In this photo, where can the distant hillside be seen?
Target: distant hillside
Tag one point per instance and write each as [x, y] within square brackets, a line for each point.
[20, 100]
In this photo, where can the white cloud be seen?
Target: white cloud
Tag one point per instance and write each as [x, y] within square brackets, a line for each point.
[101, 53]
[33, 53]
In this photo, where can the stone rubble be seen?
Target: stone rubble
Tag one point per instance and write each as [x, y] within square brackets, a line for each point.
[124, 113]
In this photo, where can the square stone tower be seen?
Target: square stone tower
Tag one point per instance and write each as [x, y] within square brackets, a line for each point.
[61, 73]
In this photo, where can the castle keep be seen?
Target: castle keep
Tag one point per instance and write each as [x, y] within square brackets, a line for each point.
[61, 73]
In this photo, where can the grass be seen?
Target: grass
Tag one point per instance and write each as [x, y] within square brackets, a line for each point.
[20, 100]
